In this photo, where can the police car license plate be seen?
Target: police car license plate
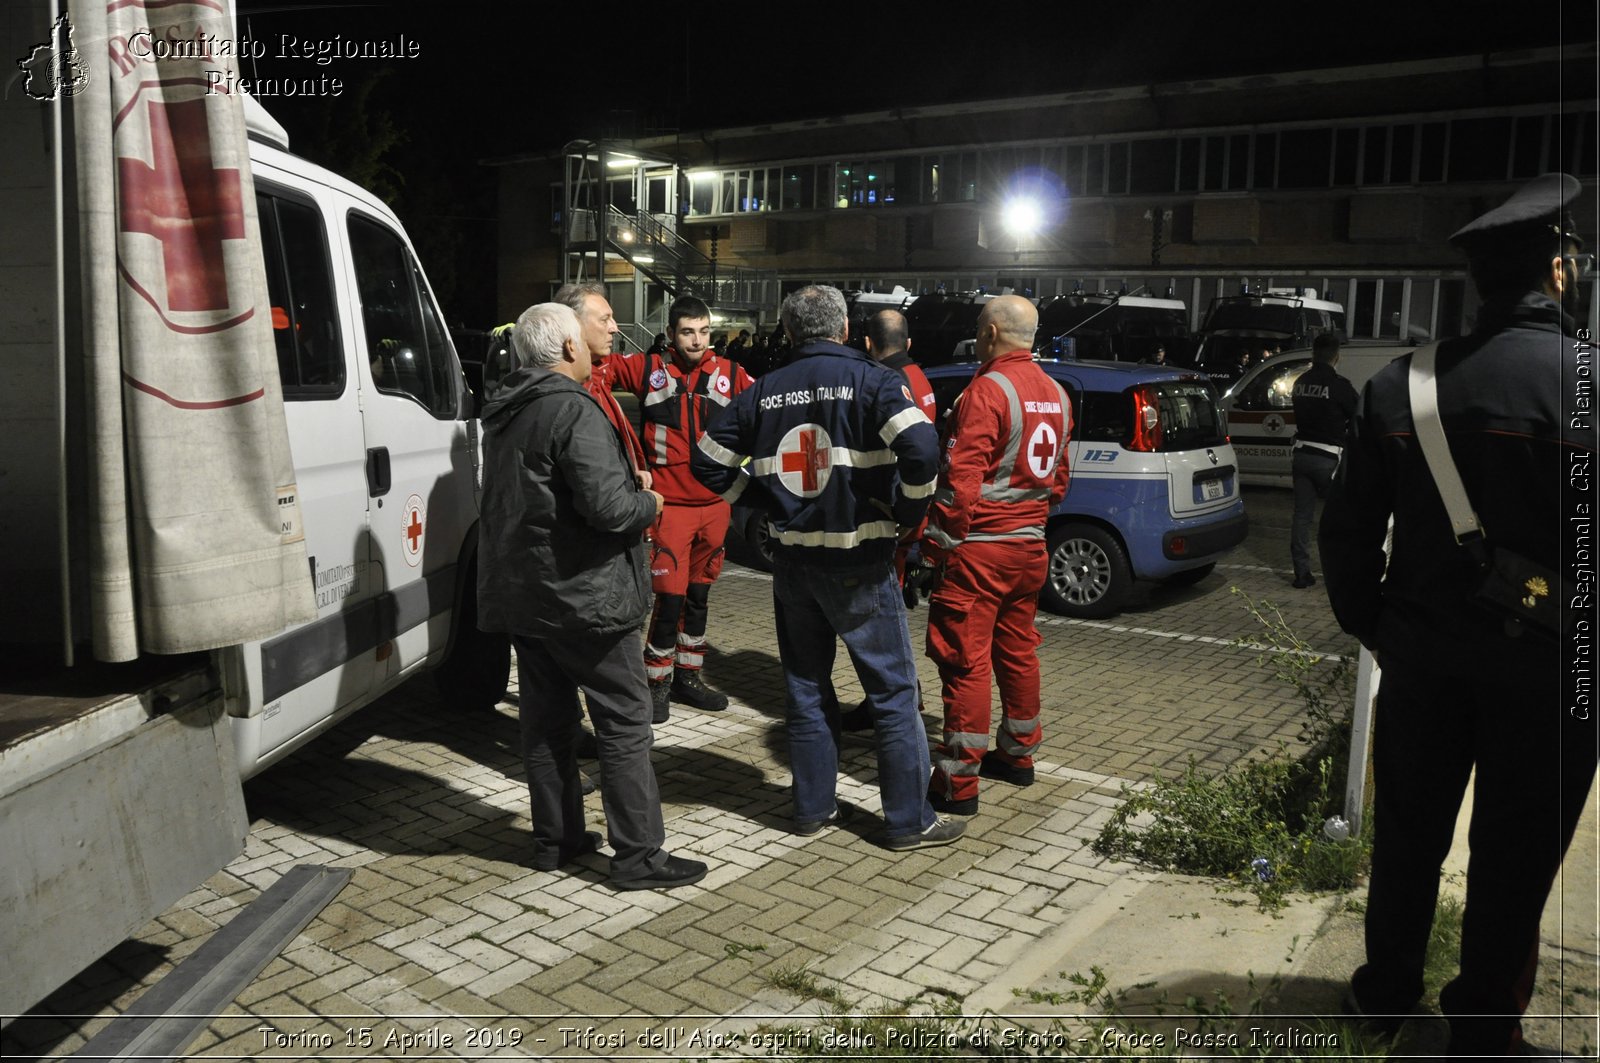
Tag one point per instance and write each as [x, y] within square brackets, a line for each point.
[1211, 490]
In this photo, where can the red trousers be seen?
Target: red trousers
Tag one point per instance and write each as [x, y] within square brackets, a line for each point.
[980, 622]
[685, 561]
[688, 546]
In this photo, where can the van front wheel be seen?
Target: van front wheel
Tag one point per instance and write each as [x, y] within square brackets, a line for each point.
[1089, 576]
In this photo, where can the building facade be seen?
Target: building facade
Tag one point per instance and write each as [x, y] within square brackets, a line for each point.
[1347, 181]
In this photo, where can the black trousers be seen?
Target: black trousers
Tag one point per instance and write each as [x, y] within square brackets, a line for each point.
[1535, 763]
[610, 669]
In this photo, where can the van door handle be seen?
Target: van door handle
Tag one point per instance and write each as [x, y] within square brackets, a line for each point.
[377, 472]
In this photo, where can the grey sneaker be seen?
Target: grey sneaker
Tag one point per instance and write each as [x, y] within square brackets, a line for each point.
[842, 813]
[942, 831]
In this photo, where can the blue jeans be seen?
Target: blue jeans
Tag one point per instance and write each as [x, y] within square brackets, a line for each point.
[1313, 472]
[863, 607]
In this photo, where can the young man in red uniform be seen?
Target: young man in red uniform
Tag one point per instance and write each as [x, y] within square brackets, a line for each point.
[679, 393]
[1005, 467]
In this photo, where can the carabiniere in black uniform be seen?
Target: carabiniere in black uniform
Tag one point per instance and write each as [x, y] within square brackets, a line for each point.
[1462, 687]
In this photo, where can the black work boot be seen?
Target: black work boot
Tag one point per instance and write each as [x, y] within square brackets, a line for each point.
[687, 689]
[660, 698]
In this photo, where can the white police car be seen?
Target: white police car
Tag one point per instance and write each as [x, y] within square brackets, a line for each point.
[1154, 493]
[1259, 406]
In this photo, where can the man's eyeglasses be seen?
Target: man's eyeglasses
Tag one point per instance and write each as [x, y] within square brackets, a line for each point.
[1582, 262]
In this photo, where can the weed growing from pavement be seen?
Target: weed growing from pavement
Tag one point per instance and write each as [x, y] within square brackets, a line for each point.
[799, 980]
[1259, 824]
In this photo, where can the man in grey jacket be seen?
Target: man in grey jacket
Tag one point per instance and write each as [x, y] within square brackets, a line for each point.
[562, 568]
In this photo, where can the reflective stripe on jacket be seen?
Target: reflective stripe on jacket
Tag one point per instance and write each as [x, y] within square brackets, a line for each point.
[1005, 461]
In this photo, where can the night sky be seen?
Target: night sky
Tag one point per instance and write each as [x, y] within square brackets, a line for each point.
[496, 79]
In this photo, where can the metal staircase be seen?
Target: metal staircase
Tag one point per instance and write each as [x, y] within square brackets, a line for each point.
[651, 244]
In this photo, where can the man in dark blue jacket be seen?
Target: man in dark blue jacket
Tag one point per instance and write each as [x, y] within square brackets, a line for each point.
[562, 569]
[845, 463]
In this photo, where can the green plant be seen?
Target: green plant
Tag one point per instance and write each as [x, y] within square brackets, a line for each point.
[1444, 946]
[799, 980]
[1259, 824]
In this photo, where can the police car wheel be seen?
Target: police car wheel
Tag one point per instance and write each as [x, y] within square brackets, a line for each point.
[759, 535]
[1089, 576]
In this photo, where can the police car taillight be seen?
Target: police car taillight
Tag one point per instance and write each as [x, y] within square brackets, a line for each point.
[1146, 419]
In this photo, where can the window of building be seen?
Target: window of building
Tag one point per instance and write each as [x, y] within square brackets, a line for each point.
[1094, 170]
[1346, 155]
[1215, 166]
[1238, 160]
[903, 186]
[1305, 158]
[797, 190]
[1528, 146]
[1479, 149]
[1117, 168]
[1189, 152]
[1266, 161]
[1154, 166]
[1374, 155]
[1401, 140]
[1578, 143]
[702, 193]
[966, 176]
[1433, 137]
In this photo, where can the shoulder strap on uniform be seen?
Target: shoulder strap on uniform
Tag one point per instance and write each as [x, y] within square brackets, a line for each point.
[1423, 388]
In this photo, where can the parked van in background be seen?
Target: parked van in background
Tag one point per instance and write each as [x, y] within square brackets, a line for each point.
[1281, 318]
[1111, 326]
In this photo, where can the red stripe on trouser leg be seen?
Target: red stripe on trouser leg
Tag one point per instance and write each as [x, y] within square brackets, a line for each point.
[980, 623]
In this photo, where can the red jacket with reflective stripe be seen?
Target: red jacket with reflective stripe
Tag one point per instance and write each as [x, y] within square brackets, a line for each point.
[677, 401]
[1005, 461]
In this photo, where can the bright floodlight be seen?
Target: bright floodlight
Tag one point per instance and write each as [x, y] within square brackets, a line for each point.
[1023, 216]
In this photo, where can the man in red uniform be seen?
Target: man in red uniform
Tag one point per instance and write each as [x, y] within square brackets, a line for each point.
[679, 393]
[1005, 467]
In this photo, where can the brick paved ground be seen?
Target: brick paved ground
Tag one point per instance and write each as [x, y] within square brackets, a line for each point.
[441, 932]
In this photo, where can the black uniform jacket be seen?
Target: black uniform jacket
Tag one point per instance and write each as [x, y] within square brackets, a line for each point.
[1506, 403]
[1324, 402]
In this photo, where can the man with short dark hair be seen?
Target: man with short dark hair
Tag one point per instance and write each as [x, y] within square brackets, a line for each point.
[1324, 402]
[844, 463]
[561, 569]
[1466, 685]
[679, 393]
